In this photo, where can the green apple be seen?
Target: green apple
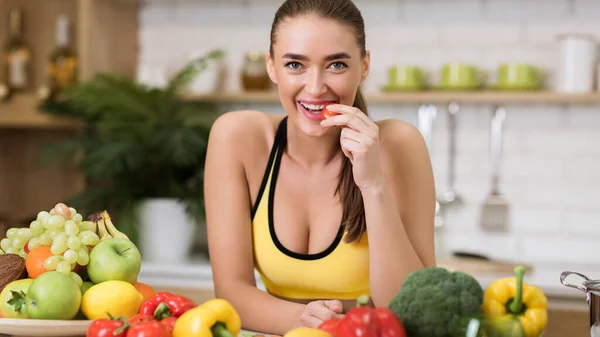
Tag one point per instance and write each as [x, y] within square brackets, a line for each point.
[53, 295]
[12, 299]
[114, 259]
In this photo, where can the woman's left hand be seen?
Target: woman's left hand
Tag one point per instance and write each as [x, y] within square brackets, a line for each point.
[360, 143]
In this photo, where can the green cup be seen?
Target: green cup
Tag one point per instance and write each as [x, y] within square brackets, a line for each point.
[405, 77]
[519, 76]
[461, 76]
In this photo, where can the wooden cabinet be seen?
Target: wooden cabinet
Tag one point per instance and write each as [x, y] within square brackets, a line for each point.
[104, 35]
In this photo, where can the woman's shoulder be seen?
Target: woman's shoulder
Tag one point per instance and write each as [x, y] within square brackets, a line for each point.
[247, 127]
[396, 132]
[401, 143]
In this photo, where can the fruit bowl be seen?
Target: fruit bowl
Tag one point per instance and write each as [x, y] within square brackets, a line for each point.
[43, 328]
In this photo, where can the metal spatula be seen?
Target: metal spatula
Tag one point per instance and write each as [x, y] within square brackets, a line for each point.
[495, 210]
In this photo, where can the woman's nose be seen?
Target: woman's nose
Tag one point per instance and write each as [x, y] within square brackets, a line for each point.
[315, 83]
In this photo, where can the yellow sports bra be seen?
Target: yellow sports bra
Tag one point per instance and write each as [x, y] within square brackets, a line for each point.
[339, 272]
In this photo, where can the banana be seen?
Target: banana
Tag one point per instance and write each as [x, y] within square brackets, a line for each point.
[102, 232]
[111, 227]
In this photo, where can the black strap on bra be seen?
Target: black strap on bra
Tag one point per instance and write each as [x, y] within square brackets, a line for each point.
[278, 143]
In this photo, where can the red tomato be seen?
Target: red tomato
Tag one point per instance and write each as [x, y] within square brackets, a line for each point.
[105, 328]
[326, 113]
[139, 318]
[169, 324]
[148, 329]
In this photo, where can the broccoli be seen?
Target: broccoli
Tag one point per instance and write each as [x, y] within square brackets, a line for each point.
[432, 301]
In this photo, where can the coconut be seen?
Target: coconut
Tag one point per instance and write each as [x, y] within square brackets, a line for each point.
[12, 268]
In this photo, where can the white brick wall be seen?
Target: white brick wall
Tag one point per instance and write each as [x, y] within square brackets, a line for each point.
[551, 163]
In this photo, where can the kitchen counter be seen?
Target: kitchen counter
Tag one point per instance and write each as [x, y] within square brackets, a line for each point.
[197, 274]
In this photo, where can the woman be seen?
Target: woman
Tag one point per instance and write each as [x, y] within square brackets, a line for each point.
[324, 210]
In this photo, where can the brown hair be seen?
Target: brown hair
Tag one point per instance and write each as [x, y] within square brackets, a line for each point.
[346, 13]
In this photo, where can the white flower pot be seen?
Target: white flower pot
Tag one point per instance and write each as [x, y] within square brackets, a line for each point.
[166, 232]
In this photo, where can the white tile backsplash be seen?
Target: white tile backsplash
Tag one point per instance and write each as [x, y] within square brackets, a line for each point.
[551, 164]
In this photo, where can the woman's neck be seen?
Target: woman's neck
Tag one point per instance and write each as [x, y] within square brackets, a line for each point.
[313, 152]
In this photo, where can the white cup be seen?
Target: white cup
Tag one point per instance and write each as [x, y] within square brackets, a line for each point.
[577, 62]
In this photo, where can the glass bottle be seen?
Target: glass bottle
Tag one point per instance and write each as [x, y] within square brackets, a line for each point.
[62, 64]
[16, 55]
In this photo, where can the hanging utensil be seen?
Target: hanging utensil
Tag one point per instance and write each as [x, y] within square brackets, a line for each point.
[494, 213]
[450, 196]
[427, 114]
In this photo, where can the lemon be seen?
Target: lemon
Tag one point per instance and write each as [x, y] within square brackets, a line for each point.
[117, 298]
[306, 332]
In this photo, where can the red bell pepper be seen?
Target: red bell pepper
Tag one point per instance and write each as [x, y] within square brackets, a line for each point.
[364, 321]
[164, 304]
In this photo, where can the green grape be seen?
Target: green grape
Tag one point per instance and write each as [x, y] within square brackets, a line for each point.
[63, 267]
[45, 239]
[22, 253]
[87, 226]
[11, 250]
[71, 228]
[73, 211]
[70, 256]
[89, 238]
[18, 243]
[61, 236]
[24, 233]
[12, 233]
[51, 262]
[5, 244]
[76, 278]
[56, 222]
[1, 252]
[73, 242]
[36, 227]
[53, 233]
[42, 215]
[58, 247]
[78, 218]
[83, 257]
[33, 243]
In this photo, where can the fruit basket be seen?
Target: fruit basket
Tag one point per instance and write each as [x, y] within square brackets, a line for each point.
[16, 327]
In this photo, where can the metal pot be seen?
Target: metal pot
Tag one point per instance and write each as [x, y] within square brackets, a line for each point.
[591, 288]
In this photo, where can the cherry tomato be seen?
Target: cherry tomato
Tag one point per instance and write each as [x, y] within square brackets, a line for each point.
[169, 324]
[105, 328]
[139, 318]
[326, 113]
[148, 329]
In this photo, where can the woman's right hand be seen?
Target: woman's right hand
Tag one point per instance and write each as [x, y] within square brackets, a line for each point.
[317, 312]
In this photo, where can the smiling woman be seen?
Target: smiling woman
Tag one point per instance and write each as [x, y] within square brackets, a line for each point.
[324, 210]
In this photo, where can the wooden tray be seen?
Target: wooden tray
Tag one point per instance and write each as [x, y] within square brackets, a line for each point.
[43, 328]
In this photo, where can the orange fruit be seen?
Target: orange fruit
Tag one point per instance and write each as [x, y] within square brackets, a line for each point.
[34, 262]
[144, 289]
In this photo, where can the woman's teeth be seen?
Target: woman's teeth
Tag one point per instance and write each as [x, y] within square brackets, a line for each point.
[313, 107]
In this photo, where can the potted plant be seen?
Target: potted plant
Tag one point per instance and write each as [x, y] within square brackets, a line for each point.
[141, 150]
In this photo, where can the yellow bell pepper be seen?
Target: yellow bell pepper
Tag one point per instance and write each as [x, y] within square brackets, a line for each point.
[213, 318]
[511, 298]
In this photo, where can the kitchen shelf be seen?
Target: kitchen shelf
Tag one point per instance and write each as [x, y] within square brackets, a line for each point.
[21, 112]
[425, 97]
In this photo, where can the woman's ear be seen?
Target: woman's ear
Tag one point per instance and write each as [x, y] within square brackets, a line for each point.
[366, 64]
[271, 68]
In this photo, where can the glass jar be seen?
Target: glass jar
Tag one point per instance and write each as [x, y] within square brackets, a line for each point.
[254, 74]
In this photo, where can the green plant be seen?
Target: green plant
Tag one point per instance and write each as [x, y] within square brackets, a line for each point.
[136, 142]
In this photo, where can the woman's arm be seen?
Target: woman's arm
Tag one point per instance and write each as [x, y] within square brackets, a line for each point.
[400, 212]
[228, 213]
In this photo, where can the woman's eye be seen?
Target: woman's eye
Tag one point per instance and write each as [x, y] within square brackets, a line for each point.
[338, 65]
[293, 65]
